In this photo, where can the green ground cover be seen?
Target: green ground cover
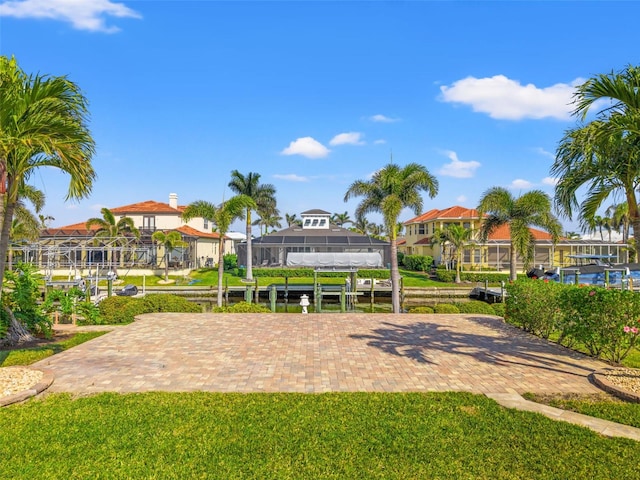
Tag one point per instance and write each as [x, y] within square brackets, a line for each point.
[29, 355]
[287, 436]
[601, 406]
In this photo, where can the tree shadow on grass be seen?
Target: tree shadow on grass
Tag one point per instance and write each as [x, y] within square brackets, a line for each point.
[504, 345]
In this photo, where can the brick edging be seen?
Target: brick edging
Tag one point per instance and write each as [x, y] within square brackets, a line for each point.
[42, 385]
[599, 379]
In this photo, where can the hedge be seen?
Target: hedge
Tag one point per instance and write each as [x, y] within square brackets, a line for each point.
[604, 322]
[114, 310]
[419, 263]
[449, 276]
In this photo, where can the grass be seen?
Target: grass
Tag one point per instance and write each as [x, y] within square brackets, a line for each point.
[291, 436]
[27, 356]
[600, 406]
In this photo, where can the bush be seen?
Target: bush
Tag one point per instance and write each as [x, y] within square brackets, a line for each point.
[165, 302]
[422, 309]
[446, 308]
[605, 321]
[449, 276]
[230, 261]
[498, 309]
[242, 307]
[381, 274]
[533, 305]
[115, 310]
[22, 297]
[475, 306]
[418, 263]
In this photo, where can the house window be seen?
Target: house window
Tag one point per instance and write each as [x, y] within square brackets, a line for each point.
[323, 222]
[206, 224]
[148, 223]
[477, 256]
[421, 229]
[466, 225]
[307, 222]
[315, 222]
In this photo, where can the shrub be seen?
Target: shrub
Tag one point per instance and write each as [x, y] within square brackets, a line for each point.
[446, 308]
[475, 306]
[498, 309]
[114, 310]
[22, 299]
[533, 305]
[422, 309]
[449, 276]
[230, 261]
[165, 302]
[419, 263]
[605, 321]
[242, 307]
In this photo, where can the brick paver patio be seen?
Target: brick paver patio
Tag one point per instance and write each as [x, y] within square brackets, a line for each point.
[319, 353]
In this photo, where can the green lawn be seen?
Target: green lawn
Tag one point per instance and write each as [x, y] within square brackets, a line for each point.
[285, 436]
[27, 356]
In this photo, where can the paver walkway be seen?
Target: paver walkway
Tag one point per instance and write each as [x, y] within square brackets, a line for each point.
[330, 352]
[319, 353]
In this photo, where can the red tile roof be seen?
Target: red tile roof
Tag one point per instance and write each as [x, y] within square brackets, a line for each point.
[74, 229]
[504, 233]
[456, 212]
[192, 232]
[150, 206]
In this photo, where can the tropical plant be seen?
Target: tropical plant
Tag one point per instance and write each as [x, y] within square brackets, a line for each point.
[169, 241]
[572, 235]
[111, 230]
[456, 238]
[222, 217]
[341, 219]
[604, 154]
[498, 207]
[389, 191]
[264, 197]
[292, 220]
[268, 219]
[43, 123]
[619, 214]
[361, 225]
[44, 220]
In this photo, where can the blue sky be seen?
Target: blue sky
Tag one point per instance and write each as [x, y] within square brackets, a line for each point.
[315, 95]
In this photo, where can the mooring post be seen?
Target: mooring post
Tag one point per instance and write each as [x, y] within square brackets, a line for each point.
[273, 296]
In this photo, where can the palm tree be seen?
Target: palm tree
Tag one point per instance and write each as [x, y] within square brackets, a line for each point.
[361, 225]
[222, 217]
[603, 155]
[24, 226]
[269, 218]
[391, 189]
[292, 220]
[341, 219]
[44, 220]
[111, 230]
[532, 208]
[456, 237]
[44, 124]
[572, 235]
[619, 214]
[169, 241]
[262, 194]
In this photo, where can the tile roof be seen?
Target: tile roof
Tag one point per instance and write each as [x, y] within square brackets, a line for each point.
[504, 233]
[149, 206]
[74, 229]
[456, 212]
[192, 232]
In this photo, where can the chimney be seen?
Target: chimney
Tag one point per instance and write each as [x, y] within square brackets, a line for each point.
[173, 200]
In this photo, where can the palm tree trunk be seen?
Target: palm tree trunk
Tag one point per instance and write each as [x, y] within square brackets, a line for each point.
[166, 266]
[220, 269]
[17, 332]
[249, 275]
[395, 276]
[457, 266]
[513, 274]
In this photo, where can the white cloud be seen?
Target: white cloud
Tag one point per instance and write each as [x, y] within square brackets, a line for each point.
[545, 153]
[519, 184]
[551, 181]
[506, 99]
[350, 138]
[461, 199]
[291, 177]
[82, 14]
[458, 169]
[307, 147]
[383, 119]
[380, 141]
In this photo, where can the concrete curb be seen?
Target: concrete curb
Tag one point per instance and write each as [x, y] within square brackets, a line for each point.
[44, 383]
[599, 379]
